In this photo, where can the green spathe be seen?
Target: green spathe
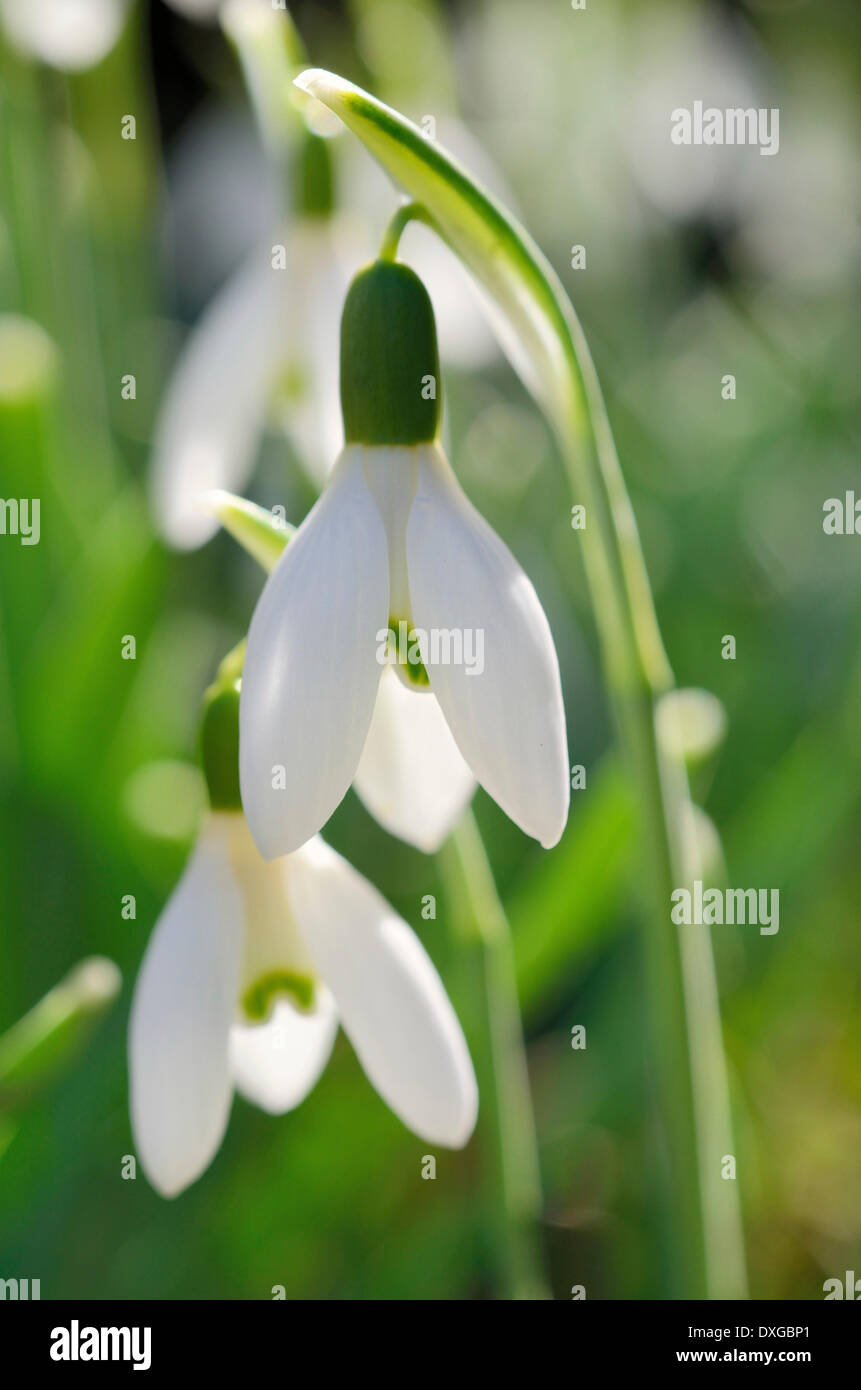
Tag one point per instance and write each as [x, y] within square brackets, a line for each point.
[389, 358]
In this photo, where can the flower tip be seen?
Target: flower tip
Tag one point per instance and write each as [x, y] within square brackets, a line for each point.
[552, 840]
[215, 502]
[463, 1126]
[310, 78]
[167, 1190]
[268, 842]
[96, 981]
[467, 1129]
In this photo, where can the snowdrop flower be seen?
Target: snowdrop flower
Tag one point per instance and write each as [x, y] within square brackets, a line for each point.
[411, 776]
[394, 544]
[268, 327]
[264, 345]
[248, 972]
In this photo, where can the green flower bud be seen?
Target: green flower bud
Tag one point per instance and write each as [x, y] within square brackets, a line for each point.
[219, 734]
[389, 358]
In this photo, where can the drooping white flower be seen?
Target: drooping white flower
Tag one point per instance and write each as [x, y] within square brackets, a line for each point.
[248, 972]
[209, 425]
[393, 543]
[411, 776]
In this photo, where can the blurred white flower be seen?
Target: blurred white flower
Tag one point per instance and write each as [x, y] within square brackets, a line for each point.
[71, 35]
[248, 972]
[265, 350]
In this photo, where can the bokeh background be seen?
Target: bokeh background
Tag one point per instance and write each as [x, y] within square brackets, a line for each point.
[699, 263]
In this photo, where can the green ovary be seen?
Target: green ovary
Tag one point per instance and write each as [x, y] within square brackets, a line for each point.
[259, 998]
[408, 663]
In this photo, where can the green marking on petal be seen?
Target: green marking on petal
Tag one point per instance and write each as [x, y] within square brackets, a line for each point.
[402, 644]
[259, 998]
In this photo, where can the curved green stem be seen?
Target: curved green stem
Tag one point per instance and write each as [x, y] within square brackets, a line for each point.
[506, 1104]
[406, 213]
[546, 344]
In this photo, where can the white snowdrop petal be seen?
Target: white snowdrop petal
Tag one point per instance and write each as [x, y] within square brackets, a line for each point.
[391, 1001]
[311, 671]
[507, 719]
[182, 1011]
[411, 776]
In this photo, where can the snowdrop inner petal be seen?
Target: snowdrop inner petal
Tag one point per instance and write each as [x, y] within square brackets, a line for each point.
[412, 777]
[183, 1007]
[391, 1001]
[276, 961]
[506, 712]
[275, 1064]
[311, 672]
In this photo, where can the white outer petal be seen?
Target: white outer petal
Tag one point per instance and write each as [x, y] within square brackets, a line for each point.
[311, 671]
[508, 721]
[182, 1011]
[392, 1003]
[68, 34]
[275, 1064]
[411, 776]
[213, 411]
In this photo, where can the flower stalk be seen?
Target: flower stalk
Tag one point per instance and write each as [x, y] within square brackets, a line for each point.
[546, 344]
[506, 1099]
[42, 1044]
